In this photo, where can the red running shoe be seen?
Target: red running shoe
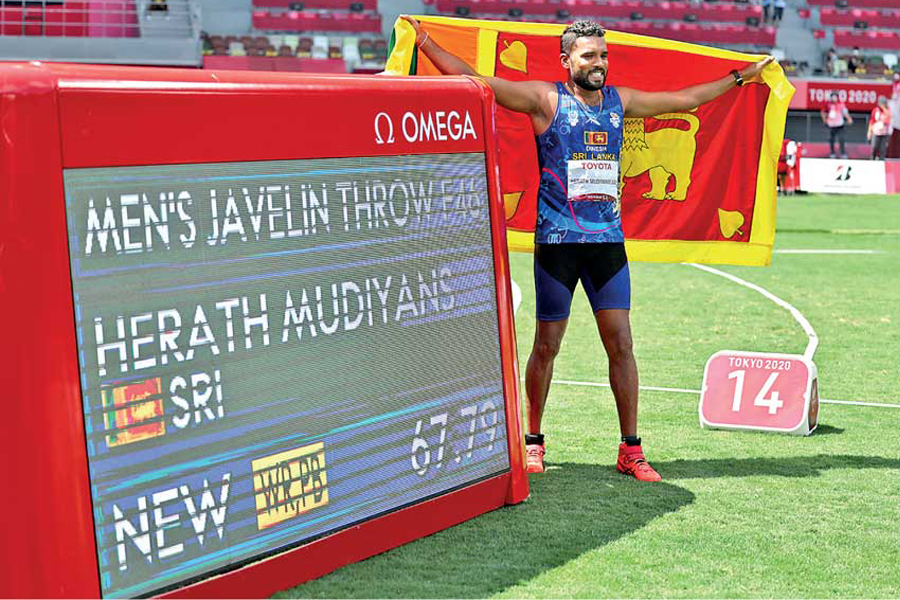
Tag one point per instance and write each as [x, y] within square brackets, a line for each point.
[534, 458]
[632, 462]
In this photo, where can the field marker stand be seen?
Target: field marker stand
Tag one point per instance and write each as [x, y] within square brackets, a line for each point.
[760, 391]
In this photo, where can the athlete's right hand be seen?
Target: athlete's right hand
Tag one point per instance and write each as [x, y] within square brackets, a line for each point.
[420, 34]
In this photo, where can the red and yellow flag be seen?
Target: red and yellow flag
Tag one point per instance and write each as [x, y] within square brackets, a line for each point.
[698, 186]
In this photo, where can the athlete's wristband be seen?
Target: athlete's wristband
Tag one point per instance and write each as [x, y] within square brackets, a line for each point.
[424, 39]
[738, 80]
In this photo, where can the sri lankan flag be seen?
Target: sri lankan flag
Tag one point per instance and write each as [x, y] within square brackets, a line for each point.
[697, 186]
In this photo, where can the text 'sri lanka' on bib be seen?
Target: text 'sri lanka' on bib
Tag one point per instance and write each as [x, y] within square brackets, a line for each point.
[593, 180]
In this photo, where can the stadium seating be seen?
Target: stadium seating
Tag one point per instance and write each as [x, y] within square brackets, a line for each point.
[716, 34]
[836, 17]
[306, 21]
[719, 23]
[613, 9]
[351, 48]
[318, 53]
[357, 5]
[867, 39]
[857, 3]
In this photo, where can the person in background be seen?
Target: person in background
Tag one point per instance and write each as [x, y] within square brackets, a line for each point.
[855, 62]
[893, 150]
[835, 116]
[839, 67]
[830, 59]
[879, 131]
[778, 6]
[766, 6]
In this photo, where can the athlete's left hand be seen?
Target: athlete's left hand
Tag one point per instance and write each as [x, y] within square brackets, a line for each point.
[751, 73]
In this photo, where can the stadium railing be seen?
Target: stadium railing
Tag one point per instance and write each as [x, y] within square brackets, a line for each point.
[103, 31]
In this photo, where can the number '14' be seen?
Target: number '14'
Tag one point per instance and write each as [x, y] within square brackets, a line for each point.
[772, 402]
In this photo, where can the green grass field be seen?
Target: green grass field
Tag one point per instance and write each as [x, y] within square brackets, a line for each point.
[738, 514]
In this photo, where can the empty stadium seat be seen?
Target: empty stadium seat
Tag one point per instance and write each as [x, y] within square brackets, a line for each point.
[335, 48]
[351, 49]
[320, 47]
[367, 50]
[380, 48]
[304, 47]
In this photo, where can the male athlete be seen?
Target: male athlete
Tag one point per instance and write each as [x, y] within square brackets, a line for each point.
[579, 232]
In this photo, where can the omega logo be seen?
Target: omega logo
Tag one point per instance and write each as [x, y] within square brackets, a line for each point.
[428, 126]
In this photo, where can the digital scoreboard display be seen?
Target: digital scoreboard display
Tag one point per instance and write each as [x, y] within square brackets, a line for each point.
[272, 351]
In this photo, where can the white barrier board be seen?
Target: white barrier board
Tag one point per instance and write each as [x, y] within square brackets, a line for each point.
[839, 176]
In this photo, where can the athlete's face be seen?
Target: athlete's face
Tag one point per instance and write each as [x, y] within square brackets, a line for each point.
[587, 63]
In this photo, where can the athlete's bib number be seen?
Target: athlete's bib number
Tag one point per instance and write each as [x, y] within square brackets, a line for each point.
[593, 180]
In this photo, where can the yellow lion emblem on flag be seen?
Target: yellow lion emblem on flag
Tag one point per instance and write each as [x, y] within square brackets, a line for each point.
[663, 154]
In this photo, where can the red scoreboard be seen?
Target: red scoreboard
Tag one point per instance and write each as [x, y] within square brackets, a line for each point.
[257, 326]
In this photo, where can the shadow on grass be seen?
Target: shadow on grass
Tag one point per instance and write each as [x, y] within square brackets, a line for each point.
[828, 430]
[797, 466]
[573, 508]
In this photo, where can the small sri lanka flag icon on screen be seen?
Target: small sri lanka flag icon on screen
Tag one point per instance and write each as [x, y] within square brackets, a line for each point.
[137, 412]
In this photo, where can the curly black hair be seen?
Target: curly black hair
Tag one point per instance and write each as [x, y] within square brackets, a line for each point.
[582, 28]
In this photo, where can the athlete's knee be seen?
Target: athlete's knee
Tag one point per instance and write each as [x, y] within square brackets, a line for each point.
[620, 346]
[546, 347]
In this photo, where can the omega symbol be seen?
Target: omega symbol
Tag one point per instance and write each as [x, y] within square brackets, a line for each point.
[384, 124]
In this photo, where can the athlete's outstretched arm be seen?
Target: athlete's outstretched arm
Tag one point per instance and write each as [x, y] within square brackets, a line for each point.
[530, 97]
[648, 104]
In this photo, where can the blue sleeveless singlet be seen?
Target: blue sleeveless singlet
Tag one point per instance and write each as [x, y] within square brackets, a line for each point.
[584, 142]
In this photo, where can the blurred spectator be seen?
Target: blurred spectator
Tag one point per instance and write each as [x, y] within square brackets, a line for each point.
[879, 131]
[893, 150]
[778, 6]
[159, 5]
[855, 62]
[839, 67]
[830, 59]
[766, 6]
[835, 116]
